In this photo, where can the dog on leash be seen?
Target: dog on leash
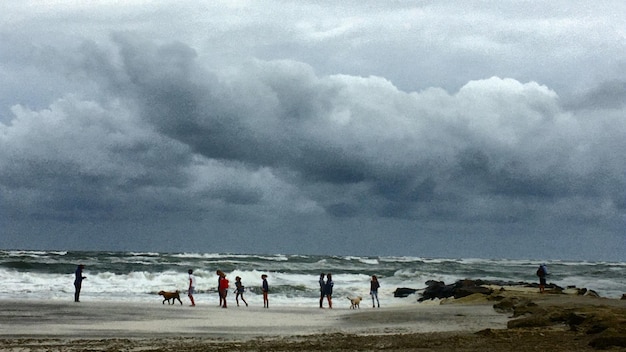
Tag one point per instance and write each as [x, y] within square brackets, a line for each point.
[355, 302]
[170, 295]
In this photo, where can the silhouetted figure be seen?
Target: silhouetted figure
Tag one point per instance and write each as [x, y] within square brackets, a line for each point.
[78, 282]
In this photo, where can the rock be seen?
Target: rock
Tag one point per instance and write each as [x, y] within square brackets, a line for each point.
[515, 305]
[574, 319]
[533, 321]
[596, 329]
[403, 292]
[460, 289]
[606, 342]
[464, 291]
[624, 296]
[436, 289]
[505, 305]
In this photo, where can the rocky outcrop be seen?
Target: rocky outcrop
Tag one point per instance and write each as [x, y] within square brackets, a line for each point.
[462, 288]
[604, 323]
[403, 292]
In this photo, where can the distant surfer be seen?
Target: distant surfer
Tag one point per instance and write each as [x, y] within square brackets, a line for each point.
[78, 282]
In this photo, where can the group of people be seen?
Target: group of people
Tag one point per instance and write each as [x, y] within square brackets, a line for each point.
[326, 290]
[325, 281]
[222, 288]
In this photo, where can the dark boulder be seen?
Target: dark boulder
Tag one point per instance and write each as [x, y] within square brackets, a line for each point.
[462, 288]
[436, 289]
[403, 292]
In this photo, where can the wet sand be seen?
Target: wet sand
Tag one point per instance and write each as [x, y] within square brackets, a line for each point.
[37, 319]
[470, 324]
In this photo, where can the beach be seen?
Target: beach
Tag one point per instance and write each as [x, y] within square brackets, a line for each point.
[467, 324]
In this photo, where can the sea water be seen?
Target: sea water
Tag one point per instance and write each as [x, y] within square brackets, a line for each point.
[293, 279]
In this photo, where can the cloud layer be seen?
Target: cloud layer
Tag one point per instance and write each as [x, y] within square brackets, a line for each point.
[315, 141]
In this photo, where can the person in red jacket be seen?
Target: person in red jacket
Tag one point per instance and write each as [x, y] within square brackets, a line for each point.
[222, 287]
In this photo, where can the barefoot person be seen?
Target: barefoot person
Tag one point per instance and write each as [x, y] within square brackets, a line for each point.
[78, 282]
[192, 287]
[239, 288]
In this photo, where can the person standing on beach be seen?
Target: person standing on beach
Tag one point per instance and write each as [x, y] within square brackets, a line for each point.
[328, 289]
[542, 272]
[374, 285]
[78, 282]
[266, 289]
[192, 287]
[239, 291]
[222, 288]
[219, 293]
[322, 284]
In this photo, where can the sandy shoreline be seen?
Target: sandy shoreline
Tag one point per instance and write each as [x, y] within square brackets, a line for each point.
[53, 319]
[554, 322]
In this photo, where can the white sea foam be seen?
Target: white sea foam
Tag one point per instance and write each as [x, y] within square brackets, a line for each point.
[293, 279]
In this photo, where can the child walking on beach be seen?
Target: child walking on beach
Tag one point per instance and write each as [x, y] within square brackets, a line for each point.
[265, 288]
[239, 291]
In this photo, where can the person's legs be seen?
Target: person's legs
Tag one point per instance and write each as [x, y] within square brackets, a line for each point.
[542, 284]
[190, 295]
[77, 288]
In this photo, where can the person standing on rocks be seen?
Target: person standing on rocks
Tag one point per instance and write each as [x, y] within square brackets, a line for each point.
[542, 272]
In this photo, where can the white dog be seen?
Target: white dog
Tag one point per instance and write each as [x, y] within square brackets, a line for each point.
[355, 302]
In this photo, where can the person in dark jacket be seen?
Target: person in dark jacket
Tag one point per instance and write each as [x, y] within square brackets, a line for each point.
[374, 285]
[322, 284]
[328, 289]
[78, 282]
[266, 289]
[542, 272]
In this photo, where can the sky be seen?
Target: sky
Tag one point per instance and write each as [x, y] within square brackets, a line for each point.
[464, 129]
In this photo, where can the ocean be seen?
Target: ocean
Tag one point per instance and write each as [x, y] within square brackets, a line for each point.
[293, 279]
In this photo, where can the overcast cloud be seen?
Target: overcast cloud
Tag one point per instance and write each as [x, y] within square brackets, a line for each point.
[456, 129]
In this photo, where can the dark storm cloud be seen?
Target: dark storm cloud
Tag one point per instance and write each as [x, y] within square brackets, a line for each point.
[301, 129]
[364, 135]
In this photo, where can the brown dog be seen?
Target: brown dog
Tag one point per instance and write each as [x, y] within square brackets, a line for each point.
[171, 295]
[355, 302]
